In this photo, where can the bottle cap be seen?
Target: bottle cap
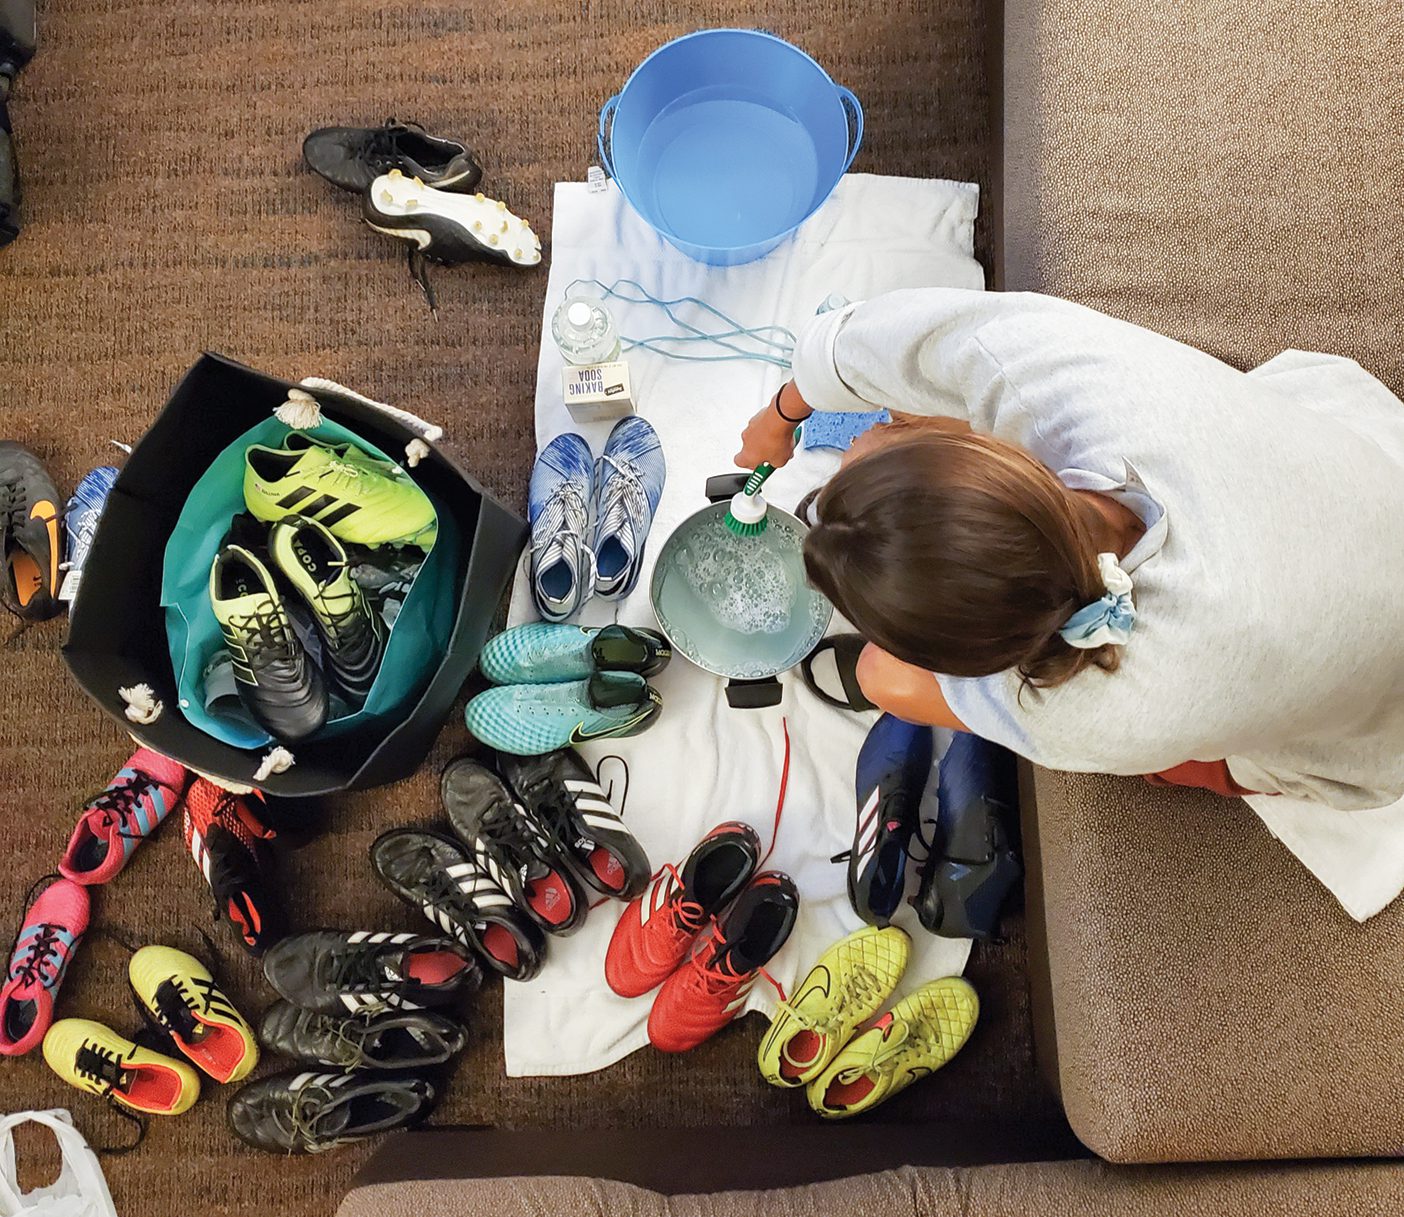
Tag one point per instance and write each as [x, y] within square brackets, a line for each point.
[579, 314]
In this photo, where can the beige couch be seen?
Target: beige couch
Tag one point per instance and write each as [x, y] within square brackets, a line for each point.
[1231, 174]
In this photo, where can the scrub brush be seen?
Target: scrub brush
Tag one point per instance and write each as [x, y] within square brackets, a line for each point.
[746, 515]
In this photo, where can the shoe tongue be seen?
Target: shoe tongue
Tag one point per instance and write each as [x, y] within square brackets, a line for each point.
[254, 604]
[609, 690]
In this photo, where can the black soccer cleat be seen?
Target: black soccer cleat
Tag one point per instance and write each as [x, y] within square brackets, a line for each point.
[31, 526]
[351, 158]
[512, 846]
[277, 681]
[9, 174]
[307, 1113]
[435, 873]
[418, 1039]
[334, 971]
[353, 633]
[449, 228]
[972, 868]
[588, 834]
[893, 768]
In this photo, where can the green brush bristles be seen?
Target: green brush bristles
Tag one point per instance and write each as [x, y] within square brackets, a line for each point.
[747, 515]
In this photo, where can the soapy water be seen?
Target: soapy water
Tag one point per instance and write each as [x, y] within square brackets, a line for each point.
[742, 579]
[739, 606]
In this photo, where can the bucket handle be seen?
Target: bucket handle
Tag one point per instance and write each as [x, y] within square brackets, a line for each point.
[853, 108]
[604, 140]
[426, 430]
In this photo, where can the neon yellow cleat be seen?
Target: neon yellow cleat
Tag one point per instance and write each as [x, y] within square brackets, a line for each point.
[848, 985]
[95, 1058]
[180, 994]
[913, 1039]
[358, 500]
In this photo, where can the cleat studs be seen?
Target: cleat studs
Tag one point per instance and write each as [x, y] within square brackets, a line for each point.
[493, 238]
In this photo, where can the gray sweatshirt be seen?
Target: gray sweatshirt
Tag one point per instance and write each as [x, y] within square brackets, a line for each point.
[1269, 585]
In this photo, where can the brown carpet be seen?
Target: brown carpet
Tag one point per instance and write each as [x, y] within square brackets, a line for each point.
[167, 212]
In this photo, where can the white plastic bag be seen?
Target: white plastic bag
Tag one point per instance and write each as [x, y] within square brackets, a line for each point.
[79, 1191]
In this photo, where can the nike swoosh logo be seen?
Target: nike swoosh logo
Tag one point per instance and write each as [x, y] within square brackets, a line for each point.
[578, 735]
[46, 511]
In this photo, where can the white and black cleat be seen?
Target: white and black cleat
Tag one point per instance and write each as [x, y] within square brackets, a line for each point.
[449, 228]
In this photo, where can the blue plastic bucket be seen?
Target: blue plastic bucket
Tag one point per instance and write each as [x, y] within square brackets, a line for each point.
[725, 141]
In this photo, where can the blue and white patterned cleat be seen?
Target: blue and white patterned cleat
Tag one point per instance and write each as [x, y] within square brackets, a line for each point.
[628, 484]
[558, 509]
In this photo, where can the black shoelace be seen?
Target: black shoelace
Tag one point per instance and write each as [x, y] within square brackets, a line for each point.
[119, 803]
[42, 953]
[266, 639]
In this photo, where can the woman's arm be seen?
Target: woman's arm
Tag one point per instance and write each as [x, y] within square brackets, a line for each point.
[911, 693]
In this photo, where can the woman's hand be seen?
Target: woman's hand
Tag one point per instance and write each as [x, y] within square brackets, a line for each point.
[769, 437]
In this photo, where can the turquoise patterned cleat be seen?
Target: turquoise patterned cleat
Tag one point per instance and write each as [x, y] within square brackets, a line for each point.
[544, 653]
[528, 720]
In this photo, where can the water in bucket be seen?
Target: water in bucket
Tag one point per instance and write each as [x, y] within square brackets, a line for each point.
[728, 168]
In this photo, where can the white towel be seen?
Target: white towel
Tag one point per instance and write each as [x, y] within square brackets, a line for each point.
[703, 762]
[1358, 855]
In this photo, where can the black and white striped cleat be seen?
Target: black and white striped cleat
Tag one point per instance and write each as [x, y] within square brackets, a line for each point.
[435, 873]
[588, 833]
[363, 972]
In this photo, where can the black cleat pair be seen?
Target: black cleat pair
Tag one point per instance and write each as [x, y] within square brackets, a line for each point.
[529, 842]
[422, 190]
[367, 1004]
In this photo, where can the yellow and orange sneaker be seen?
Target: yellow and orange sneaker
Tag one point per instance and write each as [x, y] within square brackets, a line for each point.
[911, 1041]
[848, 984]
[95, 1058]
[179, 994]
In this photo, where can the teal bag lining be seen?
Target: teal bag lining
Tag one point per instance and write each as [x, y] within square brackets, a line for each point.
[417, 639]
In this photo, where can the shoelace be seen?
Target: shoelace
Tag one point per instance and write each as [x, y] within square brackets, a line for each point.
[269, 641]
[179, 1005]
[886, 1051]
[357, 971]
[118, 804]
[715, 978]
[861, 985]
[441, 891]
[345, 615]
[101, 1064]
[41, 957]
[552, 524]
[342, 472]
[510, 826]
[349, 1034]
[623, 499]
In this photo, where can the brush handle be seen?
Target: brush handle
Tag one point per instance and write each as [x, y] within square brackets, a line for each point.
[757, 479]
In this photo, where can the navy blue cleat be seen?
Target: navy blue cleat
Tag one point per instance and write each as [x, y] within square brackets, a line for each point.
[893, 769]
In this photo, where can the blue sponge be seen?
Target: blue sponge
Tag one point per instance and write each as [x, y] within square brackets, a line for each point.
[828, 429]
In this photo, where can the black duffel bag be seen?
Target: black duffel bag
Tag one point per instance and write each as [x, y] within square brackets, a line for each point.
[117, 637]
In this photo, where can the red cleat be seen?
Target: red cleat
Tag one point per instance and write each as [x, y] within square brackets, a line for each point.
[230, 846]
[45, 945]
[659, 927]
[144, 792]
[711, 988]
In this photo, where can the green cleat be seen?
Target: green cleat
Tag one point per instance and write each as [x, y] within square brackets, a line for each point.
[357, 499]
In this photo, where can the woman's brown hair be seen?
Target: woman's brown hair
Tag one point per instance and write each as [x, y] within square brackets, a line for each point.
[959, 553]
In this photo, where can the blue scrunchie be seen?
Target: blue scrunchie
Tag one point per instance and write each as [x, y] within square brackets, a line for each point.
[1109, 620]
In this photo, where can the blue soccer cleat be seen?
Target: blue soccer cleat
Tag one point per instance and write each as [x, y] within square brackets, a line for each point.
[628, 484]
[558, 509]
[893, 768]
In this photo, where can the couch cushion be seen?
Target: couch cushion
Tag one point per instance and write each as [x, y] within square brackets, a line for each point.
[1050, 1189]
[1210, 1000]
[1230, 174]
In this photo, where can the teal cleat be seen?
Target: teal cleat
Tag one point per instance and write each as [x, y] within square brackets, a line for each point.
[544, 653]
[528, 720]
